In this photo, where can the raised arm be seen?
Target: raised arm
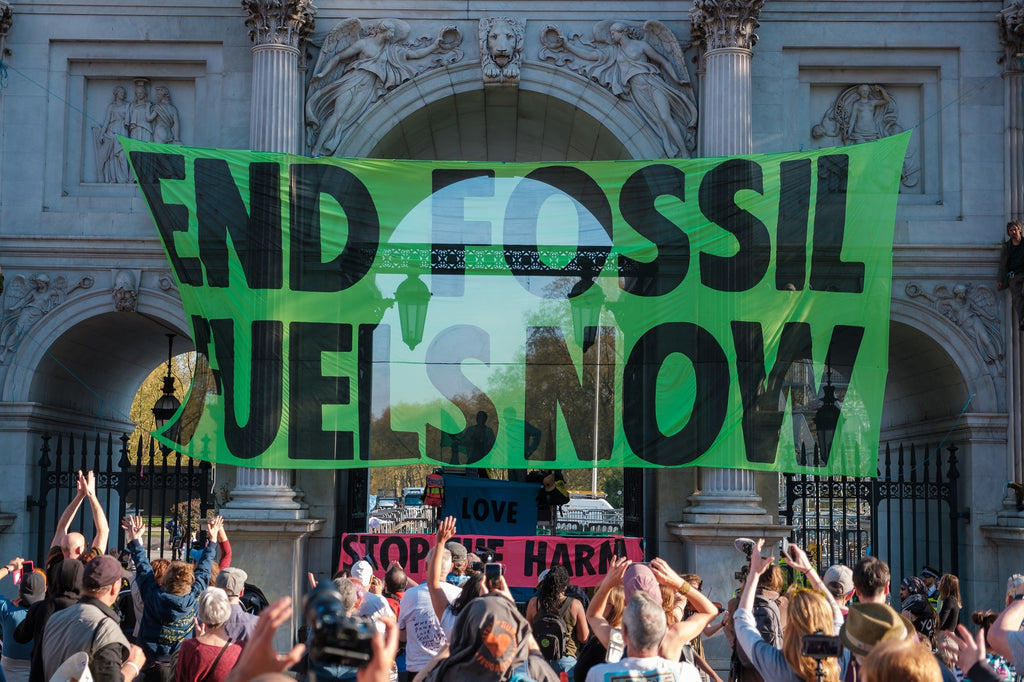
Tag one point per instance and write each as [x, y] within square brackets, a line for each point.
[438, 598]
[798, 561]
[1007, 623]
[99, 517]
[704, 610]
[68, 515]
[599, 624]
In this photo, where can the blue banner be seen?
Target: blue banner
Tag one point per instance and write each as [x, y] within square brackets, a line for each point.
[482, 506]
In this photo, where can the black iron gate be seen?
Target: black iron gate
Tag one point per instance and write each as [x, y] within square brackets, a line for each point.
[170, 491]
[908, 516]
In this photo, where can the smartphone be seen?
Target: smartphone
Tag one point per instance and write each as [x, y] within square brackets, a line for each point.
[493, 573]
[820, 647]
[620, 547]
[784, 549]
[27, 567]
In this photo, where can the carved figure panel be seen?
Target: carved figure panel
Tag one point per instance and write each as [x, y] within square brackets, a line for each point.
[501, 49]
[640, 64]
[359, 64]
[26, 301]
[974, 309]
[140, 119]
[864, 113]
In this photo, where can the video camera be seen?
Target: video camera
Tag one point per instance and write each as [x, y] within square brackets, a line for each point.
[334, 638]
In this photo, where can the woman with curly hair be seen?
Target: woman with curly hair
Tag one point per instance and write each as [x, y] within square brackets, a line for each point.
[810, 612]
[551, 598]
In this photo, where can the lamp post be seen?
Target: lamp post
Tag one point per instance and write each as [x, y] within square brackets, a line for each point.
[166, 405]
[827, 416]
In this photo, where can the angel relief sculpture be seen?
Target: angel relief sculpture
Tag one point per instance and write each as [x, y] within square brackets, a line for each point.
[359, 64]
[973, 309]
[26, 301]
[644, 66]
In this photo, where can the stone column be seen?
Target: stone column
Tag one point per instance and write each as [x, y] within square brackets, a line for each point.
[1011, 33]
[277, 29]
[726, 506]
[268, 526]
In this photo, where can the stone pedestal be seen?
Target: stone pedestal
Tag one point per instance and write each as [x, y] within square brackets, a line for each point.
[273, 553]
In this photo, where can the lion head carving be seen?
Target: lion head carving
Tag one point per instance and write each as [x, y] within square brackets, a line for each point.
[501, 48]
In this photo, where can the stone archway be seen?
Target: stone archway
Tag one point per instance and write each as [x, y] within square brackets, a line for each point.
[552, 115]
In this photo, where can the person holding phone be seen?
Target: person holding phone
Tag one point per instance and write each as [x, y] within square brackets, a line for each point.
[17, 658]
[811, 612]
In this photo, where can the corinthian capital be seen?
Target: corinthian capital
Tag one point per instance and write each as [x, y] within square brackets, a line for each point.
[279, 22]
[1011, 35]
[6, 18]
[725, 23]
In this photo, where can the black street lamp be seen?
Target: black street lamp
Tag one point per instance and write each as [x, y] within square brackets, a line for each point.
[585, 303]
[827, 416]
[166, 405]
[413, 297]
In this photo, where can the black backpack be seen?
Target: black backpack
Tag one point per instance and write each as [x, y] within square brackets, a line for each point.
[551, 633]
[768, 621]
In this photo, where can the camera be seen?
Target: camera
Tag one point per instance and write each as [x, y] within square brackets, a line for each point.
[745, 545]
[820, 646]
[785, 550]
[335, 638]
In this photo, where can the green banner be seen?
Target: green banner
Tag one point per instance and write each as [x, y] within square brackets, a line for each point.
[723, 312]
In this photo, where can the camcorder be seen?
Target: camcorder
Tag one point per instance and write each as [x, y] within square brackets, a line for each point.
[820, 646]
[334, 638]
[746, 546]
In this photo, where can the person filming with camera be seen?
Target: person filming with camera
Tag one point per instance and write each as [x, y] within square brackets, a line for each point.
[810, 650]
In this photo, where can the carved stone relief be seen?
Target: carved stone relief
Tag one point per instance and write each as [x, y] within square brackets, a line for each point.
[1011, 35]
[27, 300]
[501, 49]
[125, 291]
[359, 64]
[718, 24]
[642, 65]
[279, 22]
[864, 113]
[139, 119]
[974, 309]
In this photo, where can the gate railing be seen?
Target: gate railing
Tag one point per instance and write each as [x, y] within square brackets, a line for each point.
[172, 493]
[909, 515]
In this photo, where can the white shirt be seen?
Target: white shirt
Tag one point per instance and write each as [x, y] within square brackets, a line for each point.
[424, 636]
[375, 606]
[652, 669]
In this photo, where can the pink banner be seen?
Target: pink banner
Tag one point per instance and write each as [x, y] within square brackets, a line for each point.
[586, 559]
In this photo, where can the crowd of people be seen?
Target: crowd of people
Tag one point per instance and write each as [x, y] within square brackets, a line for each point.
[185, 620]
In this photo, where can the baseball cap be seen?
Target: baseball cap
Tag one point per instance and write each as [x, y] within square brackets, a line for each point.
[457, 549]
[362, 571]
[839, 580]
[32, 588]
[232, 580]
[103, 571]
[868, 623]
[640, 577]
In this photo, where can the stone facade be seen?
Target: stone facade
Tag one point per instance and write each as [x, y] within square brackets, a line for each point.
[510, 81]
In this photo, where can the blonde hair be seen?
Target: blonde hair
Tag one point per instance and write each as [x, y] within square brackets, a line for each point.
[809, 612]
[616, 605]
[949, 588]
[903, 660]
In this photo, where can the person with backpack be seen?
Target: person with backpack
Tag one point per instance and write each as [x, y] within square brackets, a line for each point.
[559, 622]
[811, 612]
[770, 616]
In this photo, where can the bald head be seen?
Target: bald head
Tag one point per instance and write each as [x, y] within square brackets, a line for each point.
[73, 545]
